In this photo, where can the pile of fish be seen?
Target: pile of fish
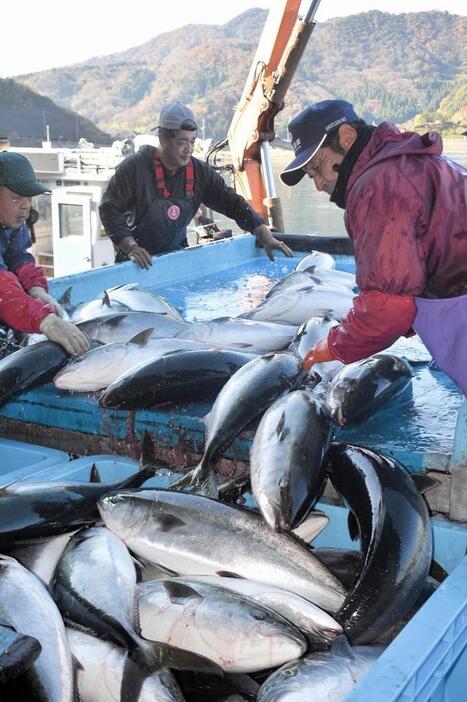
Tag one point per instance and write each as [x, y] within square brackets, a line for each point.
[139, 340]
[128, 592]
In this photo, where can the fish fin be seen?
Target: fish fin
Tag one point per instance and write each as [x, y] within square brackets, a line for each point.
[94, 476]
[133, 677]
[424, 483]
[65, 299]
[178, 592]
[231, 489]
[228, 574]
[342, 648]
[148, 450]
[200, 480]
[142, 338]
[166, 656]
[354, 529]
[106, 299]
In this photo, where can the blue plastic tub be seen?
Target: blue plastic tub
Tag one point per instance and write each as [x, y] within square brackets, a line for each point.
[18, 459]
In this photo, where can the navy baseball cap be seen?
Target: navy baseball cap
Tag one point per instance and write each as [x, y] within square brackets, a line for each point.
[309, 129]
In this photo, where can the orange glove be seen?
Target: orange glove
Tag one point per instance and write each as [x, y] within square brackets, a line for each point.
[319, 354]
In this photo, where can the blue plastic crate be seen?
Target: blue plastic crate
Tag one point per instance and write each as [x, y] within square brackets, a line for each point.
[427, 662]
[19, 459]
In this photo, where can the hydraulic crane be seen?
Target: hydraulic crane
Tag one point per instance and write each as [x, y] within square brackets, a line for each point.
[282, 43]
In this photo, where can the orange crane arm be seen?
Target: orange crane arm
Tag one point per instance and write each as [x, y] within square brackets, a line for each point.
[280, 48]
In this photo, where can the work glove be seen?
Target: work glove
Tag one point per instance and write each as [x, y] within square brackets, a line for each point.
[39, 293]
[64, 333]
[270, 243]
[319, 354]
[140, 256]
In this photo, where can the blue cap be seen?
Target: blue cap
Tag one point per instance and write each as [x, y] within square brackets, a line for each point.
[310, 128]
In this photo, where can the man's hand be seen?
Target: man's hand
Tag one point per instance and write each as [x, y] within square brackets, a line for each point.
[319, 354]
[64, 333]
[140, 256]
[269, 242]
[39, 293]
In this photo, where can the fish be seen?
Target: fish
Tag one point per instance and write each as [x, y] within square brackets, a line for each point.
[139, 299]
[98, 307]
[40, 556]
[175, 377]
[35, 510]
[196, 535]
[30, 367]
[287, 459]
[333, 275]
[320, 259]
[411, 348]
[323, 676]
[360, 388]
[26, 604]
[97, 369]
[316, 624]
[239, 634]
[311, 331]
[17, 652]
[343, 563]
[294, 306]
[94, 587]
[249, 335]
[313, 276]
[233, 687]
[124, 326]
[245, 396]
[103, 667]
[396, 540]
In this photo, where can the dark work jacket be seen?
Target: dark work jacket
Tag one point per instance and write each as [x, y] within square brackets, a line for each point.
[132, 189]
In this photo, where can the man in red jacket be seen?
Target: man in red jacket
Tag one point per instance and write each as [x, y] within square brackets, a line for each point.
[25, 304]
[405, 211]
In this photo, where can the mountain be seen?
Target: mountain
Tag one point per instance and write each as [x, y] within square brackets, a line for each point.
[389, 66]
[24, 116]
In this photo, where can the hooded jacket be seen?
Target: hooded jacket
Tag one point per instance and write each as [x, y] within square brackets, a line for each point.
[406, 215]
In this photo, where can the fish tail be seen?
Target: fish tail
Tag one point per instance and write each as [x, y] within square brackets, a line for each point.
[156, 655]
[200, 480]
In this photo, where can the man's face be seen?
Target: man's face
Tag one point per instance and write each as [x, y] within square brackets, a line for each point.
[14, 209]
[320, 168]
[176, 151]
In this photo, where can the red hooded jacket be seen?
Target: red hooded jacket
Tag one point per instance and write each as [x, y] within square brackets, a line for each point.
[406, 215]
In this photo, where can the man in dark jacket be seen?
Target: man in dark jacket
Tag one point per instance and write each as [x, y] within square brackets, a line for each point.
[154, 194]
[405, 211]
[25, 304]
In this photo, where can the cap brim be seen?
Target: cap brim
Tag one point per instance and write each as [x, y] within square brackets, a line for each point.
[28, 189]
[293, 173]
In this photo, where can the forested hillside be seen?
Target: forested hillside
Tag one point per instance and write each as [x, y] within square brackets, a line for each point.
[25, 116]
[399, 67]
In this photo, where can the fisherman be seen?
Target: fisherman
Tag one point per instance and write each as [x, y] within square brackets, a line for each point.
[405, 211]
[25, 304]
[154, 194]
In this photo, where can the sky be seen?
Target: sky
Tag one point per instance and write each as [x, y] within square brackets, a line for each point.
[56, 33]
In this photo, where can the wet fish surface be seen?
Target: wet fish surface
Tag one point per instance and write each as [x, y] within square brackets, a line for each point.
[195, 535]
[27, 605]
[287, 459]
[239, 634]
[396, 540]
[181, 375]
[360, 388]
